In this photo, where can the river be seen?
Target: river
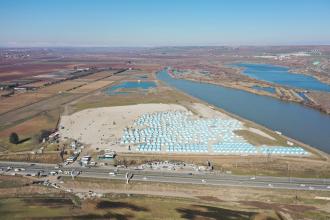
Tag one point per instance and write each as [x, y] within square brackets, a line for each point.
[281, 75]
[294, 120]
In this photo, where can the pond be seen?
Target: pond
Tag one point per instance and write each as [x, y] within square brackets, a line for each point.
[114, 90]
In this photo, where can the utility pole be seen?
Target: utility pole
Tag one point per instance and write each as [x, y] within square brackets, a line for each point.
[288, 170]
[128, 176]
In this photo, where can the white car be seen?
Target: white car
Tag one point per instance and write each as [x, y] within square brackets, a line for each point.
[302, 185]
[19, 169]
[144, 177]
[53, 173]
[203, 181]
[112, 174]
[253, 178]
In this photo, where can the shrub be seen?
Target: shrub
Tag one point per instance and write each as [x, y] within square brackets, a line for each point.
[13, 138]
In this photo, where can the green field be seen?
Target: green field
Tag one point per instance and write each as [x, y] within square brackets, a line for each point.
[120, 207]
[127, 207]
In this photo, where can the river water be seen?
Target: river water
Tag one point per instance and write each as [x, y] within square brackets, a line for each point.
[294, 120]
[281, 75]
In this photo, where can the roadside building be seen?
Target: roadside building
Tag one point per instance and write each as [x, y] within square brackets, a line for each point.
[85, 160]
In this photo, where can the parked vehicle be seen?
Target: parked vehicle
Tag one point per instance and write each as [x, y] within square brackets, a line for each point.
[53, 173]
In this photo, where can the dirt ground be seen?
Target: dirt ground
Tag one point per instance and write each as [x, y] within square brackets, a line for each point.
[13, 72]
[61, 87]
[322, 99]
[102, 127]
[92, 86]
[96, 76]
[19, 100]
[52, 157]
[29, 131]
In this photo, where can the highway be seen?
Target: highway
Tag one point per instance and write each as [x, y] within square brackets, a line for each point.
[210, 179]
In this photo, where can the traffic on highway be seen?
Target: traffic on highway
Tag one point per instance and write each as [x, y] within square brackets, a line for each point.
[129, 175]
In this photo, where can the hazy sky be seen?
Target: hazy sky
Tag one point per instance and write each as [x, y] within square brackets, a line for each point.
[163, 22]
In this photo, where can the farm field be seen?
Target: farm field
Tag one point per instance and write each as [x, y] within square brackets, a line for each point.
[18, 70]
[135, 207]
[25, 112]
[19, 100]
[61, 87]
[38, 83]
[23, 99]
[29, 130]
[96, 76]
[92, 86]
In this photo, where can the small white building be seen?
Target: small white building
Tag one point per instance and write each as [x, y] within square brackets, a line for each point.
[85, 160]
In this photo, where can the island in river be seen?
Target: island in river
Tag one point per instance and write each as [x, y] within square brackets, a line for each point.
[269, 80]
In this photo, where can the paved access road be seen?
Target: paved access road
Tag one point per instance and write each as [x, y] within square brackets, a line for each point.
[174, 177]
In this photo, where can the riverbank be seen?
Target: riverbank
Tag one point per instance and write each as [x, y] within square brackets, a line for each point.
[292, 80]
[282, 92]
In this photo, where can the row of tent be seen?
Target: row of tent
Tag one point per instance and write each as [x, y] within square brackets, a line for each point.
[148, 147]
[283, 150]
[188, 148]
[235, 149]
[238, 149]
[177, 131]
[170, 128]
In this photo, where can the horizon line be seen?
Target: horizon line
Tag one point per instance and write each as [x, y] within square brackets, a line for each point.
[162, 46]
